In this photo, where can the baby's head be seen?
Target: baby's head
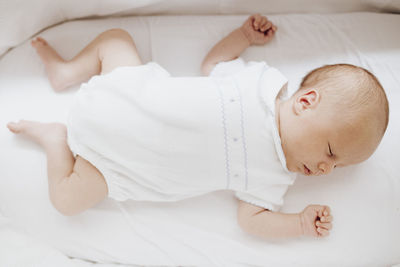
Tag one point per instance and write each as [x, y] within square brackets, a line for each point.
[337, 118]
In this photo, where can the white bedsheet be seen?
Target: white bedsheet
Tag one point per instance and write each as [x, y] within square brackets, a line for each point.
[21, 19]
[203, 231]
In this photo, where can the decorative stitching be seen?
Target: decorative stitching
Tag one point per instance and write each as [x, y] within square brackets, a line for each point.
[225, 135]
[243, 136]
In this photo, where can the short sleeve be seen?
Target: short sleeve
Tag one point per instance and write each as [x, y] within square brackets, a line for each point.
[226, 68]
[270, 197]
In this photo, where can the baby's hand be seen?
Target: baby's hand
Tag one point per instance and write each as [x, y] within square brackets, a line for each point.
[316, 220]
[258, 29]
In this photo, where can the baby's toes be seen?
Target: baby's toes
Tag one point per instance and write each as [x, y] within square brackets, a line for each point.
[43, 41]
[33, 42]
[14, 127]
[38, 41]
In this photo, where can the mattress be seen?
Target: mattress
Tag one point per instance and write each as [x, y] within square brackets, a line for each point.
[203, 231]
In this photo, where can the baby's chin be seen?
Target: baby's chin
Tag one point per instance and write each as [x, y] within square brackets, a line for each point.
[293, 168]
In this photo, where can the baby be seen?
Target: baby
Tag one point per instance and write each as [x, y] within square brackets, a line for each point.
[135, 132]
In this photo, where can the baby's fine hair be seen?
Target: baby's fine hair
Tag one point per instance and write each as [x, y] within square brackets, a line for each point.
[354, 89]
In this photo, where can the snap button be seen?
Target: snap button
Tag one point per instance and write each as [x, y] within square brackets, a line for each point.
[235, 139]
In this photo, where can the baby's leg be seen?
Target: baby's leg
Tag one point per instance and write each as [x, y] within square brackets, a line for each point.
[74, 185]
[111, 49]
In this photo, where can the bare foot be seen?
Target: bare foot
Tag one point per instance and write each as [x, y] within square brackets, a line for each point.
[53, 62]
[44, 134]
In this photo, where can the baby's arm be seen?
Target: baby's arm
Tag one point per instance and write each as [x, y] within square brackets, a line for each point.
[314, 220]
[256, 30]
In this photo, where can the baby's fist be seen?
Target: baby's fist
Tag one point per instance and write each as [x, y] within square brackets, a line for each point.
[316, 220]
[258, 29]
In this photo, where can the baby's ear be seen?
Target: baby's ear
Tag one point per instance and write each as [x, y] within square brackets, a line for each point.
[306, 99]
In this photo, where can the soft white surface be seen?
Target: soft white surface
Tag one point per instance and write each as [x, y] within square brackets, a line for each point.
[20, 250]
[20, 19]
[203, 231]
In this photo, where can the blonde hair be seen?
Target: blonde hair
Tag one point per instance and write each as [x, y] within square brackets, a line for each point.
[352, 88]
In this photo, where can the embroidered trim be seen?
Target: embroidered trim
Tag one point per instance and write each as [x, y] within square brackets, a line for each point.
[243, 136]
[228, 176]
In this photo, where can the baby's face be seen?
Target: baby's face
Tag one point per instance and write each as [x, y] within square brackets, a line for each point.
[315, 141]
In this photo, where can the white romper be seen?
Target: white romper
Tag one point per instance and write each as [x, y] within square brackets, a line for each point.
[160, 138]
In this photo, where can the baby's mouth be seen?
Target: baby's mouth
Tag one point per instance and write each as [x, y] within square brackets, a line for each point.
[307, 170]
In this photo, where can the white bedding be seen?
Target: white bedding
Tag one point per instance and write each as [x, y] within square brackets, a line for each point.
[19, 249]
[21, 19]
[365, 199]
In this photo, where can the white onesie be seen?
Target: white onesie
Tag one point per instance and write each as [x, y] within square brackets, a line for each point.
[160, 138]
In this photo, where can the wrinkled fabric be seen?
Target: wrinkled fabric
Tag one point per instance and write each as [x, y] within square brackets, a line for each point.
[160, 138]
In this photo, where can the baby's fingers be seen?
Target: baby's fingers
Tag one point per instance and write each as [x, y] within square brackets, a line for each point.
[257, 21]
[265, 25]
[322, 231]
[327, 226]
[327, 211]
[268, 35]
[326, 218]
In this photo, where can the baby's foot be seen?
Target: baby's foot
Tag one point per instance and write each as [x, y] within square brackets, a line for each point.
[43, 134]
[54, 64]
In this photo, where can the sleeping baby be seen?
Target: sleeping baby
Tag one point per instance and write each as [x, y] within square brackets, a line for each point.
[134, 132]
